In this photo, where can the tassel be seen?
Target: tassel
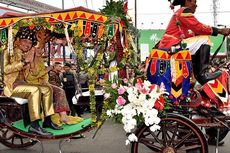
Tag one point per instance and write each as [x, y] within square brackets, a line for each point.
[94, 30]
[68, 39]
[87, 31]
[10, 41]
[173, 69]
[3, 37]
[111, 30]
[100, 31]
[80, 28]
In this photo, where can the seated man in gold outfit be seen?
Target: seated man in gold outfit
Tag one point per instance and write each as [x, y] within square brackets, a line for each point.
[39, 96]
[37, 73]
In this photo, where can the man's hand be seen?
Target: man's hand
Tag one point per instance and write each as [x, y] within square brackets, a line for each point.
[43, 36]
[29, 56]
[48, 68]
[224, 31]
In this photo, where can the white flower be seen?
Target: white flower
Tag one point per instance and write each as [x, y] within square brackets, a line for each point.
[142, 97]
[110, 112]
[106, 95]
[147, 84]
[130, 90]
[156, 120]
[155, 127]
[117, 109]
[151, 117]
[132, 137]
[132, 98]
[127, 142]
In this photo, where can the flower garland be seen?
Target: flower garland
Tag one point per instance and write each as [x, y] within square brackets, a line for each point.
[92, 81]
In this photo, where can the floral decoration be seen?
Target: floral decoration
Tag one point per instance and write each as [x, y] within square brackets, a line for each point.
[134, 105]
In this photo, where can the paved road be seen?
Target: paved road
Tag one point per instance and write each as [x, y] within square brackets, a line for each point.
[110, 139]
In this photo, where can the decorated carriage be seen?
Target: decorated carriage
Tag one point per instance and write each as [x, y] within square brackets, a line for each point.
[90, 41]
[101, 45]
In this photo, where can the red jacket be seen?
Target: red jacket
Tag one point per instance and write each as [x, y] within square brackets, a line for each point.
[189, 27]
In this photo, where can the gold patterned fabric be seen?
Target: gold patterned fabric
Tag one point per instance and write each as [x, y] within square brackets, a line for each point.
[37, 74]
[38, 96]
[12, 67]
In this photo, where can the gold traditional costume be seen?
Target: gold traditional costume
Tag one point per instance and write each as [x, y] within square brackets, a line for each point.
[36, 73]
[38, 95]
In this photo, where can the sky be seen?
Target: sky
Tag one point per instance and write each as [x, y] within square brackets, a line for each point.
[155, 14]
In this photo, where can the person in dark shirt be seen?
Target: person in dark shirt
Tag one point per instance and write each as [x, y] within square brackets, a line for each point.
[70, 85]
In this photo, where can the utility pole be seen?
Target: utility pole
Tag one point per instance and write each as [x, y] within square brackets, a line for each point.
[63, 5]
[136, 37]
[135, 13]
[86, 3]
[63, 46]
[215, 12]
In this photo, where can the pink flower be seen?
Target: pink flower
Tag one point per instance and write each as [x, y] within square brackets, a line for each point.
[121, 90]
[114, 85]
[125, 80]
[120, 101]
[139, 81]
[152, 87]
[144, 91]
[138, 86]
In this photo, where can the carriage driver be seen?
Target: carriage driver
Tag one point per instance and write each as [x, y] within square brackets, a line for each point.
[38, 95]
[185, 28]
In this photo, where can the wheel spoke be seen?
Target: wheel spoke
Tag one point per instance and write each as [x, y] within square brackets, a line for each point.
[156, 136]
[146, 142]
[183, 139]
[174, 133]
[164, 138]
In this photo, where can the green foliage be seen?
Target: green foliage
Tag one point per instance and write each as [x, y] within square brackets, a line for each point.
[115, 11]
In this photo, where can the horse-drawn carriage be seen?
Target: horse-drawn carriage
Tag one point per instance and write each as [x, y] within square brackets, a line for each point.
[181, 125]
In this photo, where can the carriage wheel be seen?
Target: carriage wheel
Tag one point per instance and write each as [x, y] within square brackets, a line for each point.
[177, 135]
[12, 140]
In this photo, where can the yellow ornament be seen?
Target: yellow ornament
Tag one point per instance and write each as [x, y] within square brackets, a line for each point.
[73, 26]
[91, 87]
[113, 69]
